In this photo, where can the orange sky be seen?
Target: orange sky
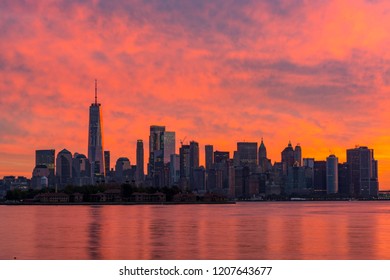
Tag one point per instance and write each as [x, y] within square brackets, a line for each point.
[313, 73]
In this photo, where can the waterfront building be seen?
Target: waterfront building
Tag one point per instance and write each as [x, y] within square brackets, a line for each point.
[95, 138]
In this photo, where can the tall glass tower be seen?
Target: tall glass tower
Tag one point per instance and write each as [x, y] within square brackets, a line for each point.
[95, 137]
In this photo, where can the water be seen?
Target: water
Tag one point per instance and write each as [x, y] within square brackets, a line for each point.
[252, 230]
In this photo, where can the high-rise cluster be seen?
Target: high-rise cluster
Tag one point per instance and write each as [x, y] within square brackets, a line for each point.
[246, 173]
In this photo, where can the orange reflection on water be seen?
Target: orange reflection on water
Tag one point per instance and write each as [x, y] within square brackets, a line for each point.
[265, 230]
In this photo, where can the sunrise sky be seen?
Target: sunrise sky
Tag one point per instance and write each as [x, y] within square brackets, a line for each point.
[313, 72]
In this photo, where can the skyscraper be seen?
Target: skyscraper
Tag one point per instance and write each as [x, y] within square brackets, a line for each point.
[156, 147]
[184, 153]
[95, 138]
[332, 181]
[363, 171]
[47, 157]
[169, 147]
[247, 153]
[209, 149]
[140, 161]
[194, 162]
[107, 162]
[64, 167]
[264, 163]
[298, 155]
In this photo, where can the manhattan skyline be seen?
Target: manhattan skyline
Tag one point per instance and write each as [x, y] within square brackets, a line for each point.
[217, 73]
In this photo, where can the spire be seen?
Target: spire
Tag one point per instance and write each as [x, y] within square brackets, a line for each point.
[95, 92]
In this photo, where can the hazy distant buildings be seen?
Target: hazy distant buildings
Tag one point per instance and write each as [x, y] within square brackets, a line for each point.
[95, 138]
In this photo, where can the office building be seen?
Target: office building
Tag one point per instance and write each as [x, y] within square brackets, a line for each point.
[247, 154]
[140, 174]
[169, 147]
[156, 147]
[363, 172]
[107, 162]
[95, 138]
[64, 168]
[47, 157]
[209, 149]
[194, 162]
[332, 181]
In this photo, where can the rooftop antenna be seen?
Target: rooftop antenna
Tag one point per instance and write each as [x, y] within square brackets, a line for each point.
[95, 91]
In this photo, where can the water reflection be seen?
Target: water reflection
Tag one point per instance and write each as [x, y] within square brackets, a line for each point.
[94, 233]
[302, 230]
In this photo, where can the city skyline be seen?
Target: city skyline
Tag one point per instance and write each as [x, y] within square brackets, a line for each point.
[256, 70]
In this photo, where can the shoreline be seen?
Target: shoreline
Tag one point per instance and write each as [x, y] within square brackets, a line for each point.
[172, 202]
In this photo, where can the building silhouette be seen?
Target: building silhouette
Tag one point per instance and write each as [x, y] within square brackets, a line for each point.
[81, 170]
[169, 147]
[140, 174]
[107, 162]
[209, 160]
[47, 157]
[247, 154]
[184, 154]
[363, 172]
[95, 138]
[156, 148]
[194, 162]
[64, 168]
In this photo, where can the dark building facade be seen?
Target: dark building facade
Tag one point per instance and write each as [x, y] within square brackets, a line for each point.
[95, 138]
[363, 172]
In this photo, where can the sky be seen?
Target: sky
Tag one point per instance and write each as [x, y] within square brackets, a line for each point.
[218, 72]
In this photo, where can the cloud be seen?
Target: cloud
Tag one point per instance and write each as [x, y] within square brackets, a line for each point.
[217, 72]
